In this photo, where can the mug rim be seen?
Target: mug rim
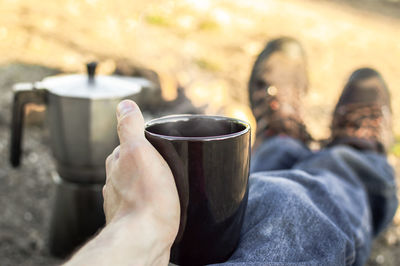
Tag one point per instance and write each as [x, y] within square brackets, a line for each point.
[172, 118]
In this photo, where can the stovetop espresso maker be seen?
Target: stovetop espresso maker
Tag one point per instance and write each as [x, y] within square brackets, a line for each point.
[81, 117]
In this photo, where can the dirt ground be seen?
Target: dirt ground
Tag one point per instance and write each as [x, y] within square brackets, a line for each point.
[207, 47]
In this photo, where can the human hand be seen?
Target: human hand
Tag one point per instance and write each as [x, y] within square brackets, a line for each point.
[140, 186]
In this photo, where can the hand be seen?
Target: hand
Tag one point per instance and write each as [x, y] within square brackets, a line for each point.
[139, 182]
[140, 201]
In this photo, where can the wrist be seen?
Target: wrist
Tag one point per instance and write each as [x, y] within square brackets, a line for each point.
[129, 240]
[141, 236]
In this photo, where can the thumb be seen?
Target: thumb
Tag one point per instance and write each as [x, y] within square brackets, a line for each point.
[130, 122]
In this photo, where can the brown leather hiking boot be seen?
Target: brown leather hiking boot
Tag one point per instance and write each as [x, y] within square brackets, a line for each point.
[277, 83]
[363, 117]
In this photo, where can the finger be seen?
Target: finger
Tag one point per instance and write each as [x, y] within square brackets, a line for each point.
[104, 201]
[130, 122]
[115, 153]
[109, 161]
[114, 156]
[104, 191]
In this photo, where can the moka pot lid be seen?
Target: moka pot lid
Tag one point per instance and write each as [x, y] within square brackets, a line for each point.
[92, 86]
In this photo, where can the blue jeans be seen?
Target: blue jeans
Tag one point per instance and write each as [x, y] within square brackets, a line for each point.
[314, 208]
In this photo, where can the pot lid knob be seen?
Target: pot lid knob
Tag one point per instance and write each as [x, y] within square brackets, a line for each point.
[91, 70]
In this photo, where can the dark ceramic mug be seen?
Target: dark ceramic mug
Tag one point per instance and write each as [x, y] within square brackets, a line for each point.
[209, 157]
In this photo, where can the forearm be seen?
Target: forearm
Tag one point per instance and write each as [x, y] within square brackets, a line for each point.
[122, 243]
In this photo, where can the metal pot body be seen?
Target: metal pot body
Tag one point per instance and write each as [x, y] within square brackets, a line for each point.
[83, 133]
[82, 122]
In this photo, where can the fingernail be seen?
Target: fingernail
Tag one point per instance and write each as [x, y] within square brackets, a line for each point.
[124, 107]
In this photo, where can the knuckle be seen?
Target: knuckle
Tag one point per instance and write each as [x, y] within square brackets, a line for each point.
[134, 152]
[126, 118]
[125, 122]
[120, 125]
[108, 159]
[130, 116]
[104, 193]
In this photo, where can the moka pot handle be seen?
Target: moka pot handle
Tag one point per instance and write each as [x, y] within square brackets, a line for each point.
[24, 93]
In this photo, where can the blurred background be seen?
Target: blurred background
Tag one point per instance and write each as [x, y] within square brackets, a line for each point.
[205, 47]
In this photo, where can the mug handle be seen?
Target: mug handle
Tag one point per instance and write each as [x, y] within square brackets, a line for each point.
[24, 93]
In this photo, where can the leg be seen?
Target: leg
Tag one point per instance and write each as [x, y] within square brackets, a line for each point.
[369, 170]
[278, 153]
[327, 208]
[318, 213]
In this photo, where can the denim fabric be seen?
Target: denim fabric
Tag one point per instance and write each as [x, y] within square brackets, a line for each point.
[314, 208]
